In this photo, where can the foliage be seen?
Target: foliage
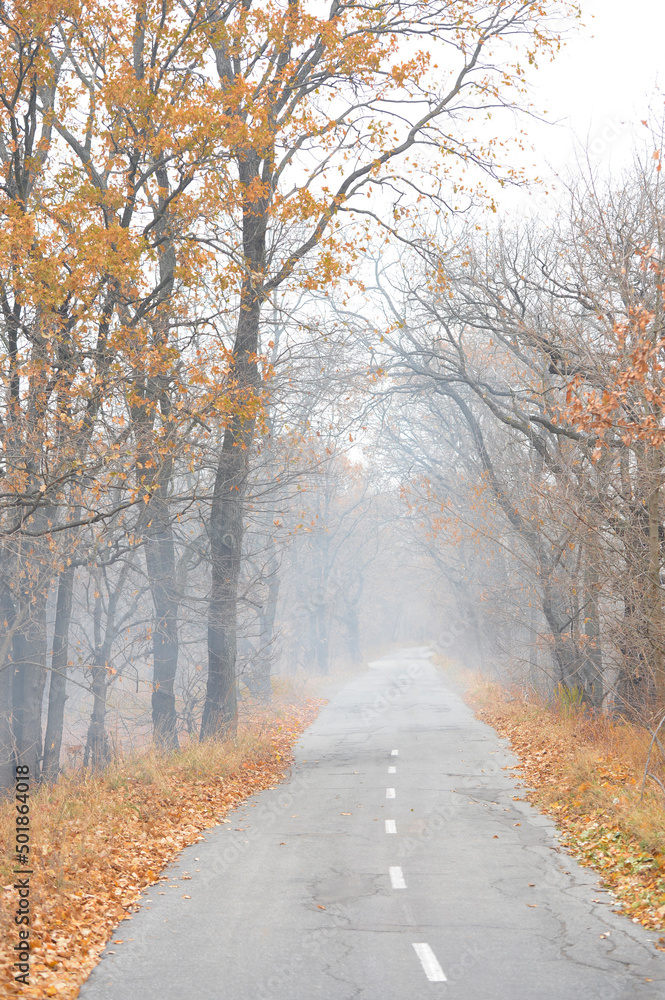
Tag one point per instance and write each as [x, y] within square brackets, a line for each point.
[522, 377]
[585, 770]
[101, 840]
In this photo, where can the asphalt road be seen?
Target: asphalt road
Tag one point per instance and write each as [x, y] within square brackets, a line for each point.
[399, 862]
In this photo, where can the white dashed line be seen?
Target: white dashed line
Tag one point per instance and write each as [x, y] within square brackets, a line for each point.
[397, 880]
[394, 753]
[392, 770]
[432, 969]
[390, 793]
[390, 826]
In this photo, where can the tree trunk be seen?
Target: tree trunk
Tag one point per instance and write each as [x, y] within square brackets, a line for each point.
[226, 533]
[468, 616]
[160, 546]
[635, 682]
[655, 595]
[29, 658]
[6, 735]
[58, 686]
[353, 634]
[321, 631]
[160, 562]
[566, 653]
[7, 619]
[308, 641]
[268, 615]
[227, 508]
[593, 680]
[226, 530]
[97, 753]
[534, 670]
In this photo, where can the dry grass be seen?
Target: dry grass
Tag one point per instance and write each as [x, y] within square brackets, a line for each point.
[586, 772]
[97, 841]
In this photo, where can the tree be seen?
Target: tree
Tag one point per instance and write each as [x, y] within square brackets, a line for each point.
[166, 172]
[310, 100]
[95, 209]
[548, 349]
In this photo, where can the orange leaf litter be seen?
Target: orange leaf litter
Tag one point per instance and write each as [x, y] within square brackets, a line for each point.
[87, 879]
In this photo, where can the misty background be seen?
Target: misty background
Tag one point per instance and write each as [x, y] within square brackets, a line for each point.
[441, 456]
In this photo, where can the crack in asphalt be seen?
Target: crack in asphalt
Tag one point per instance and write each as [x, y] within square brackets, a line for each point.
[305, 907]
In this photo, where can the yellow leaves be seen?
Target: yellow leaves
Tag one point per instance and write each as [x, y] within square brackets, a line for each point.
[633, 393]
[601, 817]
[101, 843]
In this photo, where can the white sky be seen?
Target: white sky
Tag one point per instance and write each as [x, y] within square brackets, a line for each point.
[600, 86]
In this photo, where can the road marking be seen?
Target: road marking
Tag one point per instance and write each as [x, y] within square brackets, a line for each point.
[397, 879]
[392, 770]
[431, 967]
[394, 753]
[390, 793]
[390, 826]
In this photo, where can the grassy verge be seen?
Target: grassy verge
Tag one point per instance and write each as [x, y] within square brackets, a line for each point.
[586, 772]
[97, 841]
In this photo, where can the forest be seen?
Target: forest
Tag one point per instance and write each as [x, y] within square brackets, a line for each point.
[281, 384]
[326, 414]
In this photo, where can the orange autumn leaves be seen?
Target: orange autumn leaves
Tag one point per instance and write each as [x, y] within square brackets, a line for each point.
[586, 774]
[133, 125]
[631, 403]
[100, 843]
[624, 400]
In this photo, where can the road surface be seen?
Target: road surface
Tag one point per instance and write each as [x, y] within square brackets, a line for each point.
[399, 862]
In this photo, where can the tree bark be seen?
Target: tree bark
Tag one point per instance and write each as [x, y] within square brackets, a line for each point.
[6, 734]
[321, 630]
[353, 634]
[29, 658]
[261, 678]
[594, 686]
[227, 509]
[58, 685]
[226, 533]
[7, 613]
[160, 562]
[655, 594]
[566, 653]
[97, 753]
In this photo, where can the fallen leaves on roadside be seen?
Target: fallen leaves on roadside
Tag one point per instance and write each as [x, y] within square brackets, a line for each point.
[94, 854]
[552, 752]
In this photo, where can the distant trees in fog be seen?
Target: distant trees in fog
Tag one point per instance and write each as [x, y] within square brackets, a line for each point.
[527, 370]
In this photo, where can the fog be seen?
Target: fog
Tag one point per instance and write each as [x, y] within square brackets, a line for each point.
[292, 375]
